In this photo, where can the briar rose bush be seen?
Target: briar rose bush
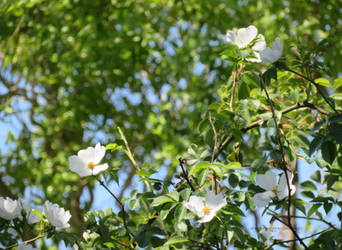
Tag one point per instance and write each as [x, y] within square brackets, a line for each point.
[203, 206]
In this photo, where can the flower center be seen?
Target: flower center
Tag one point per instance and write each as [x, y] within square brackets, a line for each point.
[91, 164]
[206, 210]
[275, 191]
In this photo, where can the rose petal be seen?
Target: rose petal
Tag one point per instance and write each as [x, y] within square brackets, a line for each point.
[262, 199]
[267, 181]
[246, 35]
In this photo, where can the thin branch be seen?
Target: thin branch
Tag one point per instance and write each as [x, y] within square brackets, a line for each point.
[236, 73]
[127, 183]
[185, 173]
[215, 140]
[274, 119]
[213, 181]
[27, 241]
[120, 203]
[131, 158]
[260, 122]
[287, 241]
[205, 245]
[233, 92]
[282, 163]
[310, 218]
[281, 221]
[317, 87]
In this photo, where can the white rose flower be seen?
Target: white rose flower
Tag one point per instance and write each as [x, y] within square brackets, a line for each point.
[244, 36]
[268, 181]
[9, 209]
[271, 55]
[23, 246]
[85, 163]
[30, 216]
[206, 209]
[56, 215]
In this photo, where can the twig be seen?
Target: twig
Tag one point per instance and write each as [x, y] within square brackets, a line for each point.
[120, 203]
[274, 119]
[282, 163]
[216, 138]
[260, 122]
[27, 241]
[205, 245]
[233, 92]
[131, 158]
[286, 241]
[281, 221]
[213, 182]
[310, 218]
[236, 73]
[317, 87]
[185, 173]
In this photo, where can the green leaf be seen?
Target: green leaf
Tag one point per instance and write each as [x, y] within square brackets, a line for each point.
[214, 106]
[299, 204]
[308, 185]
[335, 119]
[203, 126]
[109, 244]
[308, 194]
[202, 177]
[331, 180]
[174, 195]
[233, 180]
[337, 96]
[329, 151]
[185, 194]
[182, 226]
[161, 200]
[239, 196]
[327, 207]
[323, 82]
[316, 143]
[313, 209]
[199, 166]
[143, 172]
[217, 168]
[180, 212]
[243, 91]
[10, 137]
[133, 204]
[113, 147]
[176, 240]
[258, 163]
[232, 209]
[234, 166]
[323, 199]
[337, 83]
[166, 210]
[335, 130]
[269, 74]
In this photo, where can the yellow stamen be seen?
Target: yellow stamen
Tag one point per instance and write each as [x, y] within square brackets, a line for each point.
[275, 191]
[91, 164]
[206, 210]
